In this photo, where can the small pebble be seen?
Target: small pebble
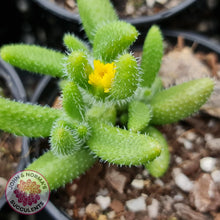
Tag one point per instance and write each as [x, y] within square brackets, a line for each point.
[207, 164]
[72, 200]
[103, 201]
[145, 173]
[92, 210]
[81, 212]
[73, 187]
[136, 205]
[153, 209]
[191, 136]
[216, 176]
[70, 212]
[178, 197]
[178, 160]
[138, 184]
[150, 3]
[102, 192]
[102, 217]
[111, 215]
[162, 2]
[159, 182]
[214, 144]
[182, 181]
[187, 144]
[208, 137]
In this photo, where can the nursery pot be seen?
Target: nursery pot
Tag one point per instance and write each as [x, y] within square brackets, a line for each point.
[47, 91]
[11, 82]
[138, 21]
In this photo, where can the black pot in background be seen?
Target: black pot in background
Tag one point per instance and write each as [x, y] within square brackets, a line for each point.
[140, 21]
[48, 90]
[13, 83]
[185, 15]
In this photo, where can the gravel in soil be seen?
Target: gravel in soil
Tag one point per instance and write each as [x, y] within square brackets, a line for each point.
[190, 189]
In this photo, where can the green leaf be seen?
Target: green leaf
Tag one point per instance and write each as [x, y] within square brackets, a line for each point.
[73, 43]
[139, 115]
[59, 170]
[180, 101]
[120, 146]
[26, 119]
[73, 102]
[102, 112]
[94, 14]
[34, 59]
[78, 68]
[126, 78]
[152, 55]
[112, 39]
[158, 166]
[65, 139]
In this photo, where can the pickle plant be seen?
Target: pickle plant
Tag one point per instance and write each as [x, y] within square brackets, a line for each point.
[110, 100]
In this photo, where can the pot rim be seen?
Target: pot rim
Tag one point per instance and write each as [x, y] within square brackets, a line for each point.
[67, 15]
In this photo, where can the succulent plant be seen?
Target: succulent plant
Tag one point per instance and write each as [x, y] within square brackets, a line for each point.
[110, 101]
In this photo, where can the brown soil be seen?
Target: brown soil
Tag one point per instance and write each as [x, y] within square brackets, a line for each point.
[10, 150]
[128, 8]
[191, 141]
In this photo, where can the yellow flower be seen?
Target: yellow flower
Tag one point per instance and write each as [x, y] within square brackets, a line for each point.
[103, 75]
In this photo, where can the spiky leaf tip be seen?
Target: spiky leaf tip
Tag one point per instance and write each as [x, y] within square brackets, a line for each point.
[78, 68]
[158, 166]
[64, 140]
[94, 14]
[73, 43]
[152, 55]
[126, 78]
[112, 39]
[61, 170]
[179, 102]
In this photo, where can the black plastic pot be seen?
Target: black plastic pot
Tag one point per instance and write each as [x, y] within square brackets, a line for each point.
[13, 83]
[47, 91]
[138, 22]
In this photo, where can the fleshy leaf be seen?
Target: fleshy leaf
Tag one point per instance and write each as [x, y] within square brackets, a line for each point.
[112, 39]
[74, 43]
[73, 102]
[152, 55]
[120, 146]
[158, 166]
[78, 68]
[59, 170]
[26, 119]
[180, 101]
[65, 139]
[103, 113]
[94, 14]
[34, 59]
[126, 78]
[139, 115]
